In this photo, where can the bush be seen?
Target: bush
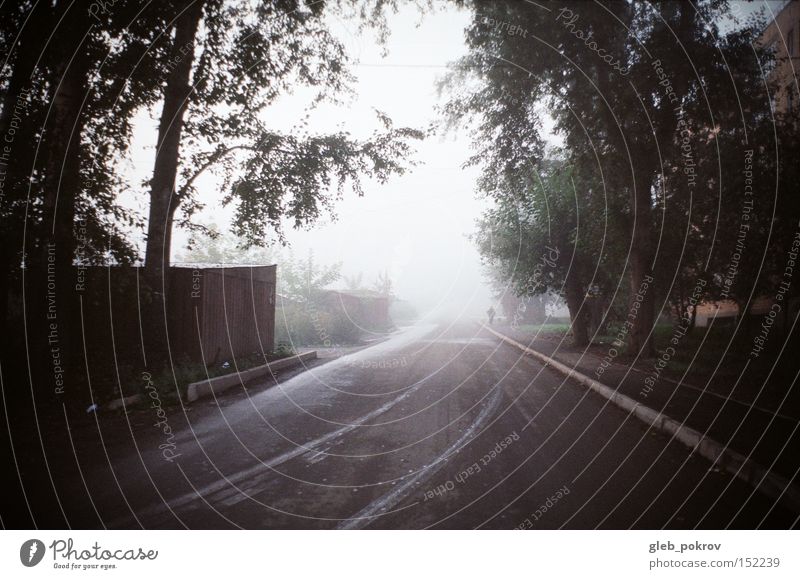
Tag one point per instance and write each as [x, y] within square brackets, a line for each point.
[314, 325]
[343, 329]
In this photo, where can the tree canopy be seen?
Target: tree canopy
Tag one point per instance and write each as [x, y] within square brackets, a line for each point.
[657, 128]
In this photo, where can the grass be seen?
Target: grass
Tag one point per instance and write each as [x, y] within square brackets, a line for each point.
[184, 372]
[699, 351]
[544, 328]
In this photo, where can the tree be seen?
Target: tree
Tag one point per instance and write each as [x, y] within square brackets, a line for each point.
[534, 241]
[383, 285]
[210, 245]
[218, 85]
[638, 115]
[304, 280]
[71, 85]
[353, 282]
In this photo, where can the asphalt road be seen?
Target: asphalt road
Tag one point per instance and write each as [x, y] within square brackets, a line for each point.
[438, 427]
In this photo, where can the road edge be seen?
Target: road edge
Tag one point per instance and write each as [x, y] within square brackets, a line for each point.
[213, 386]
[767, 482]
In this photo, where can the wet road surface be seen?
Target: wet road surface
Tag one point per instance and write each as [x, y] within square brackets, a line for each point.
[438, 427]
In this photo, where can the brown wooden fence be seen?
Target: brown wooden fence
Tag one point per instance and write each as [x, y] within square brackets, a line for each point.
[216, 313]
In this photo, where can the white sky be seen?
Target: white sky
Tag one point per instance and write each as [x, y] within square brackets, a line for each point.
[415, 226]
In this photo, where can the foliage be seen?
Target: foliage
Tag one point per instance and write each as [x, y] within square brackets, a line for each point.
[309, 324]
[383, 285]
[208, 244]
[250, 54]
[654, 141]
[303, 280]
[353, 282]
[96, 55]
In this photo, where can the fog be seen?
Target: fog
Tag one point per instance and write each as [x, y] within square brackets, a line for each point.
[416, 227]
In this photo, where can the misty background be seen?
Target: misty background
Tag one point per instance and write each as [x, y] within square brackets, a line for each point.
[417, 226]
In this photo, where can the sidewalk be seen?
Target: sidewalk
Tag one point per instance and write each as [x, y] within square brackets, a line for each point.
[768, 436]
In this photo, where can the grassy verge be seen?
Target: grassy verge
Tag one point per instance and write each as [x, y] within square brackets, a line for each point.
[718, 352]
[170, 381]
[542, 329]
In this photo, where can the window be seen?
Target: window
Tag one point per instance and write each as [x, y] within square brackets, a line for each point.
[790, 43]
[772, 56]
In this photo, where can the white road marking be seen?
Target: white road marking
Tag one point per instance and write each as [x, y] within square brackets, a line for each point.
[380, 506]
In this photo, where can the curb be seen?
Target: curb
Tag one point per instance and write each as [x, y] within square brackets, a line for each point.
[207, 387]
[212, 386]
[769, 483]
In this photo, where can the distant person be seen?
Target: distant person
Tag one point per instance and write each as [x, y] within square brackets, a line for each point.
[490, 312]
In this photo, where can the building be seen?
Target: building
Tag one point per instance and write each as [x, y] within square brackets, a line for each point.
[366, 308]
[782, 35]
[723, 310]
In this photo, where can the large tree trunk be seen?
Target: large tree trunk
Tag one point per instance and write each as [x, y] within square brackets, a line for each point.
[640, 256]
[54, 327]
[15, 190]
[575, 295]
[165, 173]
[640, 338]
[36, 379]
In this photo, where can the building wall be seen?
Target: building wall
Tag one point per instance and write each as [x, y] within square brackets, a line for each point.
[722, 309]
[783, 34]
[363, 308]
